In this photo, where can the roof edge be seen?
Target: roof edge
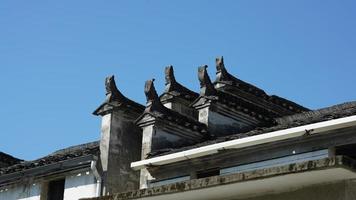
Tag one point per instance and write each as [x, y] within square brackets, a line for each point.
[310, 129]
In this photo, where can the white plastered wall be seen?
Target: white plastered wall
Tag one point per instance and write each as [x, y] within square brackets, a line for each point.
[80, 185]
[29, 191]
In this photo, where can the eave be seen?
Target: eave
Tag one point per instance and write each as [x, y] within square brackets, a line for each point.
[290, 133]
[48, 170]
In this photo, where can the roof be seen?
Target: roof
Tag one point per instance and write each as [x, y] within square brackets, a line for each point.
[223, 76]
[320, 115]
[156, 109]
[209, 93]
[91, 148]
[7, 160]
[114, 99]
[175, 89]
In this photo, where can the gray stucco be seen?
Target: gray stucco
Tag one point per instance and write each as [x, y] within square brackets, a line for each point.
[120, 145]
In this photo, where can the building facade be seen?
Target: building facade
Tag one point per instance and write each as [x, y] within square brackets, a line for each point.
[230, 140]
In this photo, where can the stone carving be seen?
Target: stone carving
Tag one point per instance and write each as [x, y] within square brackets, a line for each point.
[206, 86]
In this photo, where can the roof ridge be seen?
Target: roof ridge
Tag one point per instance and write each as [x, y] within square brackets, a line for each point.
[175, 88]
[72, 148]
[155, 108]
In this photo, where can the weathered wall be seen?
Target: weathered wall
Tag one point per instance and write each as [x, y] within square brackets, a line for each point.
[182, 107]
[342, 190]
[82, 185]
[224, 121]
[345, 190]
[119, 146]
[30, 191]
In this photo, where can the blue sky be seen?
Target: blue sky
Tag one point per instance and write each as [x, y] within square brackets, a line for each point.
[55, 55]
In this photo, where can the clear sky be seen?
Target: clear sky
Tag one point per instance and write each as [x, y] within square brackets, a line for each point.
[55, 55]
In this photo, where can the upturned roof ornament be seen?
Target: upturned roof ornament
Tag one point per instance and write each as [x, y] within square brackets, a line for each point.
[153, 101]
[206, 86]
[176, 89]
[169, 75]
[112, 93]
[221, 72]
[150, 91]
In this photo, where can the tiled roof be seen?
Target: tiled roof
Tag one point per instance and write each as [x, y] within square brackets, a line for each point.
[320, 115]
[7, 160]
[156, 109]
[58, 156]
[209, 92]
[223, 76]
[114, 98]
[175, 89]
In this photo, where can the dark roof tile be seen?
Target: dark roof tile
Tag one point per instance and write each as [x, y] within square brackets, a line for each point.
[175, 89]
[114, 98]
[61, 155]
[156, 109]
[8, 160]
[315, 116]
[223, 76]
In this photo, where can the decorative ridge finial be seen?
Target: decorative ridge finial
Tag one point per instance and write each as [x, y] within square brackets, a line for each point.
[150, 91]
[112, 93]
[221, 72]
[153, 101]
[206, 86]
[220, 63]
[115, 99]
[175, 88]
[169, 75]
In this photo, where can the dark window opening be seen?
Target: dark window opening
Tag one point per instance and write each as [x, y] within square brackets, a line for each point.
[55, 190]
[208, 173]
[346, 150]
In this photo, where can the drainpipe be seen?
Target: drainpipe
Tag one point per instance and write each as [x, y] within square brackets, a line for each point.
[97, 177]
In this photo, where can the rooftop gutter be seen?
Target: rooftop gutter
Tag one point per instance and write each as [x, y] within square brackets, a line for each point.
[274, 136]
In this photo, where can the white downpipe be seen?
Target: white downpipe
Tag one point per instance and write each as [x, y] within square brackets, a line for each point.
[98, 178]
[248, 141]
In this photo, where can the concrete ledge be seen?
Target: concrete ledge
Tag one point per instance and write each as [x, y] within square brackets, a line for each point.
[270, 180]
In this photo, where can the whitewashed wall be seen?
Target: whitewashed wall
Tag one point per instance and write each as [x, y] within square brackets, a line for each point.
[81, 185]
[21, 192]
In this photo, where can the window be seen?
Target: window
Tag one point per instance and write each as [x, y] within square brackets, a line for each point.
[208, 173]
[346, 150]
[55, 190]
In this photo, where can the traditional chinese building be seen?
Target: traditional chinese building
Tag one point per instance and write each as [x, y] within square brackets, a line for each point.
[231, 140]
